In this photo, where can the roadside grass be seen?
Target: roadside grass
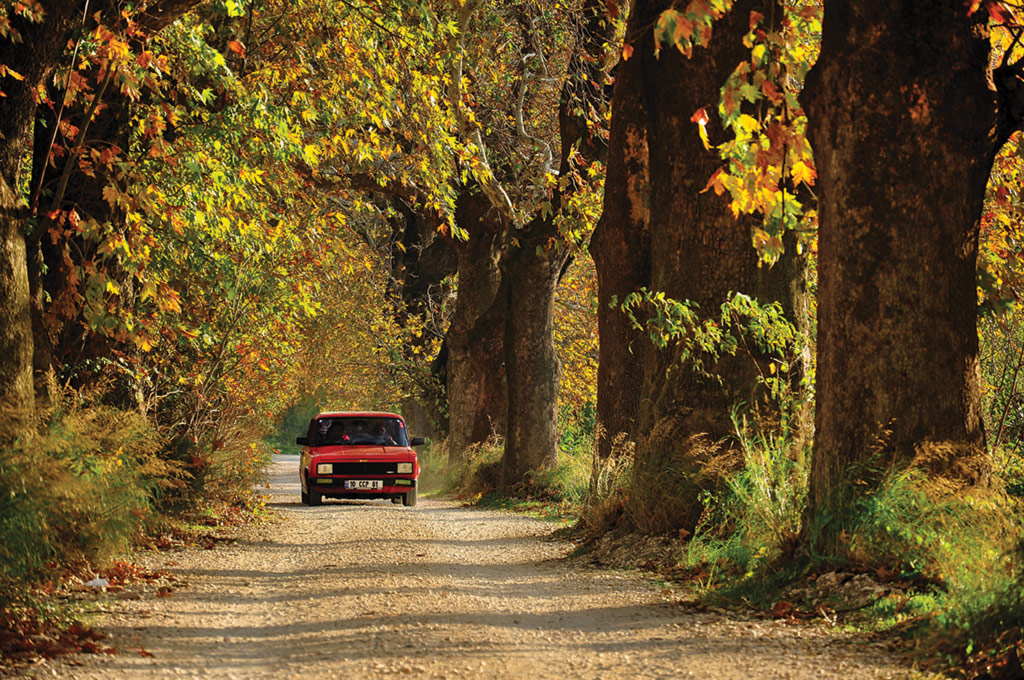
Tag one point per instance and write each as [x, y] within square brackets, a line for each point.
[79, 496]
[944, 567]
[557, 493]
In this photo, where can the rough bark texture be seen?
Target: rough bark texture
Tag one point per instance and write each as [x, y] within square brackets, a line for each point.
[904, 127]
[534, 267]
[531, 360]
[477, 399]
[621, 251]
[699, 252]
[33, 58]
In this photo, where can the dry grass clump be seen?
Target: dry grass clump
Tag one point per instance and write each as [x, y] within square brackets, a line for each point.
[666, 490]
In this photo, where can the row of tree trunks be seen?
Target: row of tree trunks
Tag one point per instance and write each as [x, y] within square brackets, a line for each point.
[906, 116]
[905, 126]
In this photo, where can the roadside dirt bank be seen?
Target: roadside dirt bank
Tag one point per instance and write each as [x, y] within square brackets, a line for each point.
[373, 590]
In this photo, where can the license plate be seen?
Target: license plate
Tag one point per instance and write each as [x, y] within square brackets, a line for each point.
[364, 484]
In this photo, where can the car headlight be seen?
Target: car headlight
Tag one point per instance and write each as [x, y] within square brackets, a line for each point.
[324, 469]
[404, 468]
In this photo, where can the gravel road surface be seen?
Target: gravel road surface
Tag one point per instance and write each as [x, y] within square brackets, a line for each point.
[372, 590]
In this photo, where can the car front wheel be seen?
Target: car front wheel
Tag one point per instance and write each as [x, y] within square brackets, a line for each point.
[409, 499]
[315, 497]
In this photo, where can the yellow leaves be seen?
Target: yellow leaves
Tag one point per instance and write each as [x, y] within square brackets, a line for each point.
[803, 171]
[311, 154]
[7, 71]
[148, 289]
[747, 124]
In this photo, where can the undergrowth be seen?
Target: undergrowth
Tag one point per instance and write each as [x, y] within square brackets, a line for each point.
[950, 565]
[86, 489]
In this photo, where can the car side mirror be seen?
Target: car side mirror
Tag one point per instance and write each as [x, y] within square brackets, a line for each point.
[418, 441]
[302, 441]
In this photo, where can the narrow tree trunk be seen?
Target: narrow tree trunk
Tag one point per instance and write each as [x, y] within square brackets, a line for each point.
[419, 270]
[699, 252]
[621, 251]
[533, 371]
[32, 58]
[16, 395]
[55, 249]
[904, 128]
[477, 400]
[533, 268]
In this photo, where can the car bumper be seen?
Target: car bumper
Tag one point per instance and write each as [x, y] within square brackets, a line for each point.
[335, 486]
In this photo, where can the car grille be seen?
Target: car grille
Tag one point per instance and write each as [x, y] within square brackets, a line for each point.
[365, 468]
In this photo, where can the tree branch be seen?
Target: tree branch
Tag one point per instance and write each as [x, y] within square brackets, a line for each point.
[468, 127]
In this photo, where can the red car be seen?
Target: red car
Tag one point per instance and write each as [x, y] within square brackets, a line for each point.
[358, 454]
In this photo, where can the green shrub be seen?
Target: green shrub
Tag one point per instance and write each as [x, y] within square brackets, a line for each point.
[78, 494]
[755, 519]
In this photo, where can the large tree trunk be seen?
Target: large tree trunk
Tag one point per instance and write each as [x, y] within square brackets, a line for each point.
[904, 128]
[700, 252]
[32, 58]
[621, 251]
[477, 399]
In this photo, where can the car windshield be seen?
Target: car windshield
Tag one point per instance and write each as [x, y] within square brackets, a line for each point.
[356, 431]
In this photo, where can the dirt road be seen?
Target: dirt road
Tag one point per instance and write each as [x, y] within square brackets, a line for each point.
[373, 590]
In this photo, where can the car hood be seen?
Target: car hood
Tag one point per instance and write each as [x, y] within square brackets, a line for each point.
[362, 452]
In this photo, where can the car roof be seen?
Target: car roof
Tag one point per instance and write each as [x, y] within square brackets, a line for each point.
[358, 414]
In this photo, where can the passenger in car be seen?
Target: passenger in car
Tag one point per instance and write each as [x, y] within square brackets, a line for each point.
[336, 434]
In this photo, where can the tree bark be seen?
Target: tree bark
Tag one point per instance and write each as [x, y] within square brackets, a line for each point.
[533, 371]
[477, 399]
[33, 58]
[905, 126]
[534, 267]
[699, 252]
[620, 248]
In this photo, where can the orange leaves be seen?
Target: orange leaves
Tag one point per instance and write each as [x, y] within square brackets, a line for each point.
[627, 51]
[236, 47]
[689, 27]
[804, 171]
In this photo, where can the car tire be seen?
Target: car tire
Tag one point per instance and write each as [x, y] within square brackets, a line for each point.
[409, 499]
[305, 497]
[315, 498]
